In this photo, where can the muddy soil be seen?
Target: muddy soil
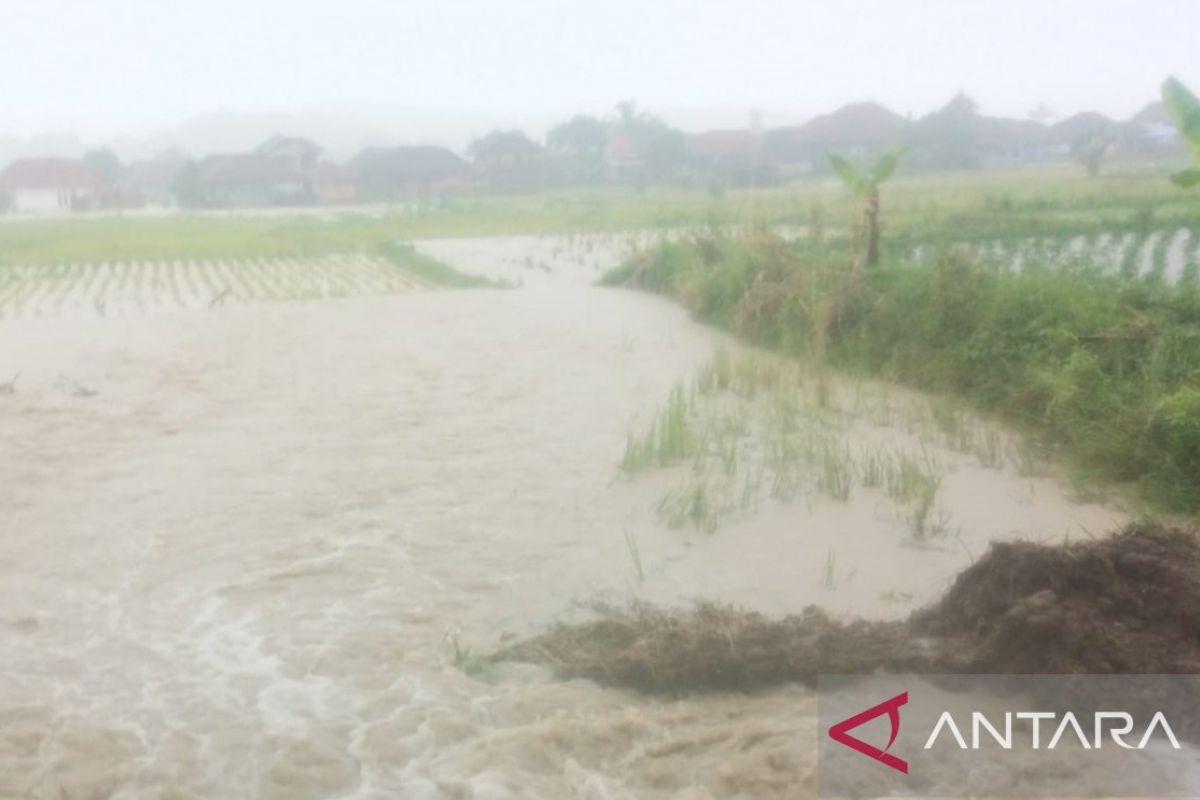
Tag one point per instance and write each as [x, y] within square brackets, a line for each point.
[1127, 604]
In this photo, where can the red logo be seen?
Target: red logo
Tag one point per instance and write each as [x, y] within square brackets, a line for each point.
[840, 732]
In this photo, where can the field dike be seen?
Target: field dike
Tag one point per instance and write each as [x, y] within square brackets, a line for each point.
[1128, 604]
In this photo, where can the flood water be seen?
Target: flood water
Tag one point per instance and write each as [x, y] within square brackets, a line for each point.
[239, 545]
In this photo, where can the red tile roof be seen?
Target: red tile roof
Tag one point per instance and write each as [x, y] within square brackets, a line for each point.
[48, 173]
[722, 144]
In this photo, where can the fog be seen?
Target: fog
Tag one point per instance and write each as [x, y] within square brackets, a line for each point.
[142, 74]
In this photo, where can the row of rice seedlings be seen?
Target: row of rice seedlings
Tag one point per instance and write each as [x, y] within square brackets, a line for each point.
[38, 290]
[962, 432]
[1157, 268]
[1164, 255]
[1190, 273]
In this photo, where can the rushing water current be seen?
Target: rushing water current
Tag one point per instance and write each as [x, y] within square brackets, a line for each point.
[239, 547]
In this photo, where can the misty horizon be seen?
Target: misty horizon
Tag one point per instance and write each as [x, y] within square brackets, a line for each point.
[366, 72]
[344, 133]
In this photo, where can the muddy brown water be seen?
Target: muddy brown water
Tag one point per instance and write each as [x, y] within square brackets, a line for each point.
[238, 545]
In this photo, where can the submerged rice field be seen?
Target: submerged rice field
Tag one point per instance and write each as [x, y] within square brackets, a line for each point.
[1170, 255]
[105, 289]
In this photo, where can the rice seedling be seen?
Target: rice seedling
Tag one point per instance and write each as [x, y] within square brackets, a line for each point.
[110, 287]
[990, 447]
[833, 469]
[635, 555]
[669, 440]
[829, 573]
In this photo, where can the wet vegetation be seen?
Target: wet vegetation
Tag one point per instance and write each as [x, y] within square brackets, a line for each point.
[751, 428]
[1101, 368]
[929, 208]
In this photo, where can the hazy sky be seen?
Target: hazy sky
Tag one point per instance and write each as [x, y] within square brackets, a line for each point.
[103, 66]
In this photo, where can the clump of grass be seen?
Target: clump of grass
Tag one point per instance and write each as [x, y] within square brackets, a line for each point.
[1081, 360]
[669, 440]
[699, 504]
[873, 469]
[834, 470]
[914, 485]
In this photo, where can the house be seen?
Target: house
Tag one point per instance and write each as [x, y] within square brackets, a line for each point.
[1152, 133]
[1004, 141]
[1063, 138]
[251, 179]
[151, 183]
[300, 154]
[279, 172]
[48, 186]
[623, 158]
[396, 173]
[334, 184]
[857, 130]
[726, 155]
[509, 160]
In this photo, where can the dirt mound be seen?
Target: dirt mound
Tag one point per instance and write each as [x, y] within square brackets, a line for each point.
[1126, 604]
[1129, 603]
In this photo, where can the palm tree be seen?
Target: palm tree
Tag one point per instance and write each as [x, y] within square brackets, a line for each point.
[866, 185]
[1184, 109]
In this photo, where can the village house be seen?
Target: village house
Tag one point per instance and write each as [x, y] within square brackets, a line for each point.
[47, 186]
[623, 158]
[300, 154]
[408, 172]
[1003, 141]
[151, 183]
[509, 161]
[334, 184]
[279, 172]
[232, 180]
[734, 156]
[857, 130]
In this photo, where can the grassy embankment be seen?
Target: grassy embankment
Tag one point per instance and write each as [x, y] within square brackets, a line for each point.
[1100, 366]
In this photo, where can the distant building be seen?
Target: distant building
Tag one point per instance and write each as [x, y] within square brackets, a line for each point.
[251, 179]
[151, 183]
[509, 160]
[399, 173]
[1152, 133]
[1063, 138]
[623, 157]
[735, 156]
[300, 154]
[335, 184]
[48, 186]
[858, 131]
[1004, 141]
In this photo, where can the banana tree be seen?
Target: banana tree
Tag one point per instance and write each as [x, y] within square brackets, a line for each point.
[1184, 108]
[866, 185]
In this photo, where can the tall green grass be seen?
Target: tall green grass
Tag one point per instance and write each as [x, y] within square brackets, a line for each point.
[1101, 369]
